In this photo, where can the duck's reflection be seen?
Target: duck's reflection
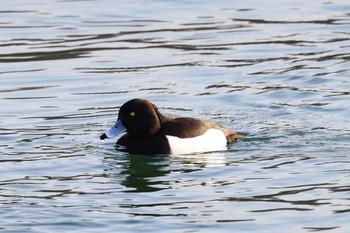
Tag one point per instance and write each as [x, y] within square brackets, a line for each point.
[142, 173]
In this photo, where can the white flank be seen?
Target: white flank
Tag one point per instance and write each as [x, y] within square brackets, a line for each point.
[211, 140]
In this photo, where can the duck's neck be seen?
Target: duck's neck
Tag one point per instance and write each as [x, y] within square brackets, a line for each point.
[162, 119]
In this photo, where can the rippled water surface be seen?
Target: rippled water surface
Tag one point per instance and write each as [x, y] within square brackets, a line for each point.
[275, 71]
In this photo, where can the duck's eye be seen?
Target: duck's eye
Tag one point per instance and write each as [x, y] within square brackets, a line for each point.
[132, 114]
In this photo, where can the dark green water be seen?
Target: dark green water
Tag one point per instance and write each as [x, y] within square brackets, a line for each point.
[277, 72]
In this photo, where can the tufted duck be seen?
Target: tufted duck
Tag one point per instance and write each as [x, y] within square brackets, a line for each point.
[149, 132]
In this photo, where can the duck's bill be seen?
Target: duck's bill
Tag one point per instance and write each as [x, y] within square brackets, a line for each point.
[115, 130]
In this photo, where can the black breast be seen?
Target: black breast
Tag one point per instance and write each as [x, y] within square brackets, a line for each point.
[157, 144]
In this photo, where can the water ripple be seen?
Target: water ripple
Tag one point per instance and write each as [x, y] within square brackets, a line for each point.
[277, 73]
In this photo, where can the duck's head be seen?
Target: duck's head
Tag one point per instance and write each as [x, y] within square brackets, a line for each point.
[139, 117]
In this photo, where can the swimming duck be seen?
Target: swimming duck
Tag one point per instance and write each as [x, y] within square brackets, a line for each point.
[150, 132]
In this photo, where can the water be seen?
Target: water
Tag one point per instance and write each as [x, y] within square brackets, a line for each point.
[277, 72]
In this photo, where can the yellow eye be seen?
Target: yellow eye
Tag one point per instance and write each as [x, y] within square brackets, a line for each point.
[132, 114]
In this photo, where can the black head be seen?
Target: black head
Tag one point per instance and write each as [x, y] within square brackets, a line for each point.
[141, 118]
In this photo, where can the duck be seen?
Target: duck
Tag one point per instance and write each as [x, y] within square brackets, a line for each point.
[146, 131]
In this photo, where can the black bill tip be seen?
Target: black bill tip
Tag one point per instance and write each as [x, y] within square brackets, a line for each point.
[103, 136]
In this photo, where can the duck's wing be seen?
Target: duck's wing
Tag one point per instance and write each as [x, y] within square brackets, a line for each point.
[187, 127]
[229, 134]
